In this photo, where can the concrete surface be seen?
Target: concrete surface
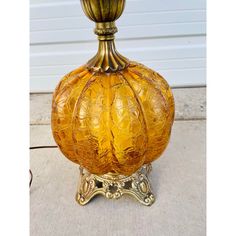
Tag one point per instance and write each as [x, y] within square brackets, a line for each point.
[190, 104]
[178, 181]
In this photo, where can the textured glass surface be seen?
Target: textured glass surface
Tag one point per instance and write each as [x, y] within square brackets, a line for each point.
[112, 122]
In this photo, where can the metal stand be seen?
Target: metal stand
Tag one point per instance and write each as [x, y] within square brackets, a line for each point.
[113, 186]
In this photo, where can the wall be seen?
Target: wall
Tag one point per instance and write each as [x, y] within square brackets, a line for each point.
[168, 36]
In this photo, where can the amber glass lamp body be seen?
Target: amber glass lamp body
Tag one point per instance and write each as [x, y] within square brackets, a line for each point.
[111, 115]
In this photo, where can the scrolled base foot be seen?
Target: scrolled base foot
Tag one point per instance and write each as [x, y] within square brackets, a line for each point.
[114, 186]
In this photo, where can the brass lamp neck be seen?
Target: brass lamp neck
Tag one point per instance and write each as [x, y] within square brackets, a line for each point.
[104, 13]
[107, 58]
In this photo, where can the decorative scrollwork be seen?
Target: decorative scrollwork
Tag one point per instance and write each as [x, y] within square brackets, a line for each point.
[115, 186]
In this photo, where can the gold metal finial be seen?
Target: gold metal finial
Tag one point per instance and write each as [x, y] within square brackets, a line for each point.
[104, 13]
[114, 186]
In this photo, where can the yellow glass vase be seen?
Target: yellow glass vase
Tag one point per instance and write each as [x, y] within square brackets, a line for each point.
[111, 115]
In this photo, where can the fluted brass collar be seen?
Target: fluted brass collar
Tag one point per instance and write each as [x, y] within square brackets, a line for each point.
[107, 58]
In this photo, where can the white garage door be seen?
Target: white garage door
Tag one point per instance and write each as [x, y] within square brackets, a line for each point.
[168, 36]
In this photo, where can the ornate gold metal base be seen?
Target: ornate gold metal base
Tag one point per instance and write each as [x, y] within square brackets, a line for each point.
[113, 186]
